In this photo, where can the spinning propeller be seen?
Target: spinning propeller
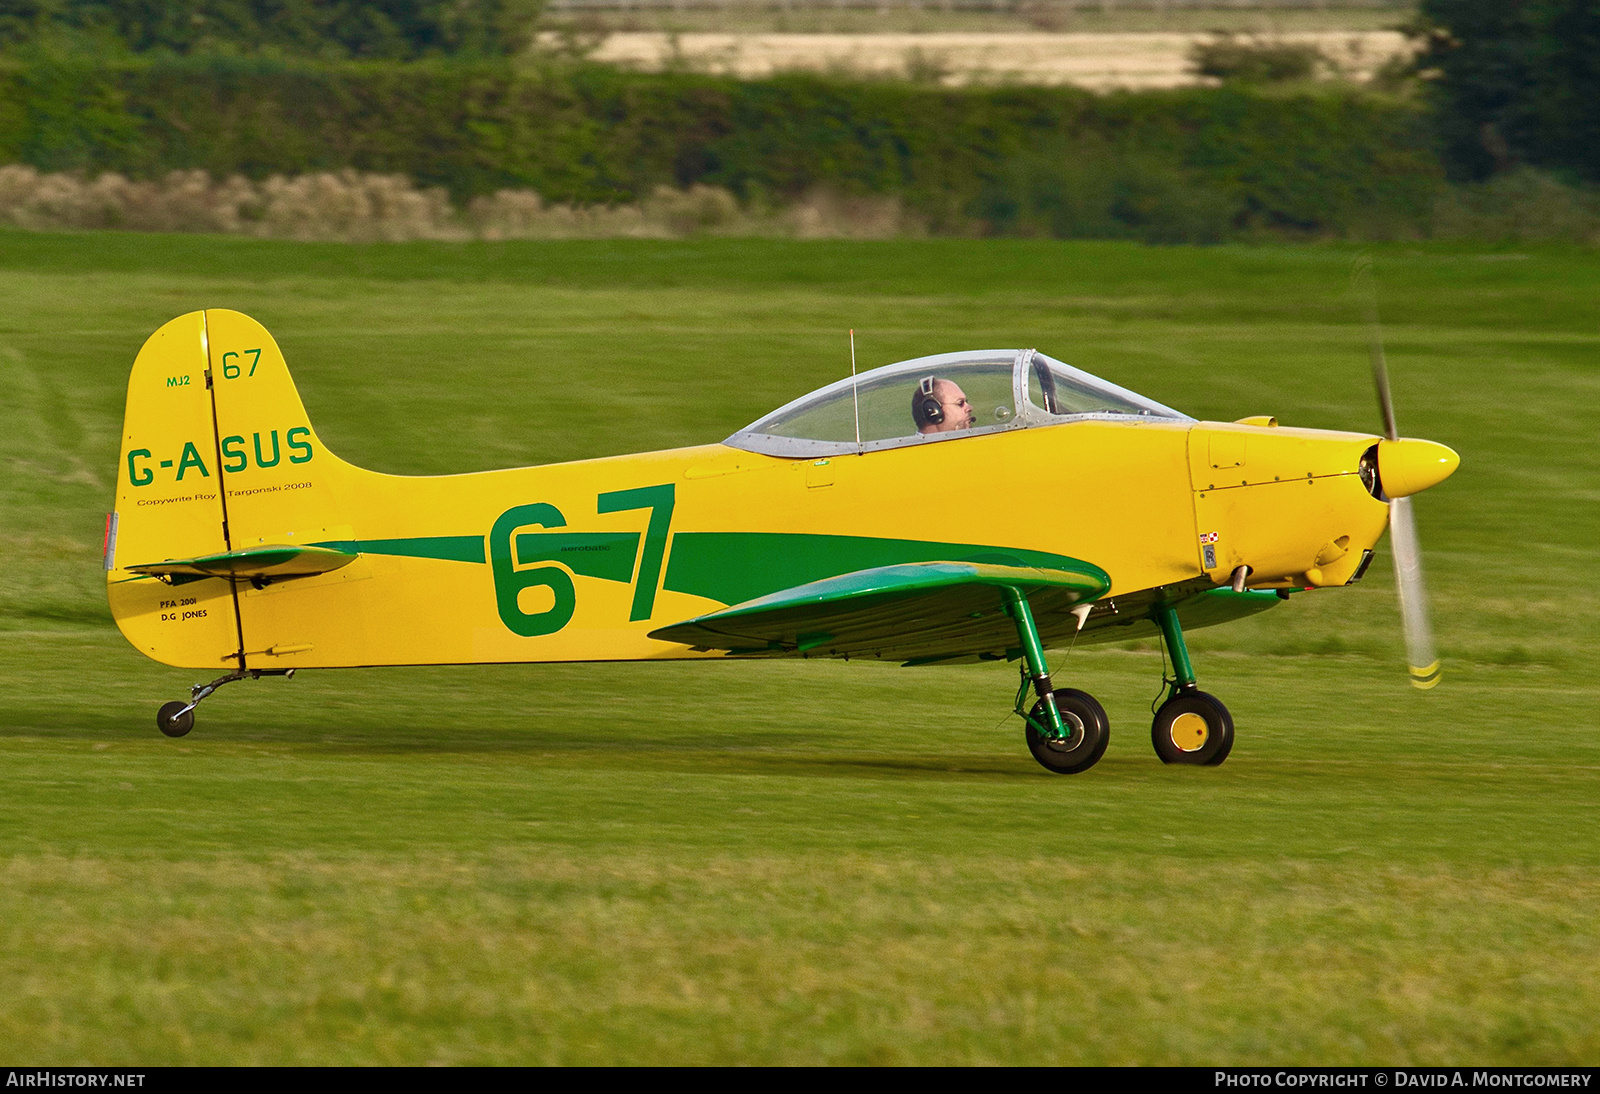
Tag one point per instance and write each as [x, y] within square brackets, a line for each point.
[1405, 467]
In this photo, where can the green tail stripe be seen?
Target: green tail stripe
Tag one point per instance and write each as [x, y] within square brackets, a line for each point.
[733, 567]
[449, 548]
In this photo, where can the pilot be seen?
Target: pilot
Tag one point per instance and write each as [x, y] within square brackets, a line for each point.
[940, 406]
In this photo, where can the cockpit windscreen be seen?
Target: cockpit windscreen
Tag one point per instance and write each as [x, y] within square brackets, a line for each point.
[1062, 390]
[940, 398]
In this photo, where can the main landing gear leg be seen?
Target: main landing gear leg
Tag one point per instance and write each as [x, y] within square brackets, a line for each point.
[1191, 727]
[1067, 730]
[177, 718]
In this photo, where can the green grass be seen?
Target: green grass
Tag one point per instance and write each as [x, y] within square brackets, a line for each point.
[809, 862]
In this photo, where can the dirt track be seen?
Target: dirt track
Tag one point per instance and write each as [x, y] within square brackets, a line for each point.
[1099, 61]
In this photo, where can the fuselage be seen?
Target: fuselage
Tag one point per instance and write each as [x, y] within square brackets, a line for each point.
[580, 561]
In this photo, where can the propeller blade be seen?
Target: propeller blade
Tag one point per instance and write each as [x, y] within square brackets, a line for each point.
[1380, 380]
[1361, 283]
[1421, 656]
[1420, 653]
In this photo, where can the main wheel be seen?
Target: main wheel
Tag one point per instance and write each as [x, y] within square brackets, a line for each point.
[174, 727]
[1086, 743]
[1192, 728]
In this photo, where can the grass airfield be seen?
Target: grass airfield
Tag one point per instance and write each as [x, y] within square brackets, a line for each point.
[809, 863]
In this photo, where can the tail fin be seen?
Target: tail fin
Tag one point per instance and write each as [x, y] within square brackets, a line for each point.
[281, 486]
[218, 459]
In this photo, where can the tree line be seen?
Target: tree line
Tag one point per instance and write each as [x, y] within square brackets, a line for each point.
[1514, 83]
[1505, 84]
[394, 30]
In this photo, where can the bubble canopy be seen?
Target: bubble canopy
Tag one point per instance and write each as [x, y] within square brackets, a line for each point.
[1003, 389]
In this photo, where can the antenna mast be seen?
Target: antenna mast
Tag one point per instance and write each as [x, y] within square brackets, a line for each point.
[854, 394]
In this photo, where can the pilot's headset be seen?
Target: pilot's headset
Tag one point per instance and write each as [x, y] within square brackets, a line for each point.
[926, 409]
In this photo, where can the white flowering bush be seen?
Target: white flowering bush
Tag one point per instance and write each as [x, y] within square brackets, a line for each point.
[356, 206]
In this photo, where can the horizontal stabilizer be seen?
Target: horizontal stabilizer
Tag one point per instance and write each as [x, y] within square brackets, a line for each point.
[275, 561]
[909, 610]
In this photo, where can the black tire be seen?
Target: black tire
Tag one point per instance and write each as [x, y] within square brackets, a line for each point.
[1192, 728]
[1091, 701]
[1091, 732]
[174, 728]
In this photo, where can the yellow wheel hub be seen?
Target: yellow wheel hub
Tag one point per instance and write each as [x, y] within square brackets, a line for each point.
[1190, 732]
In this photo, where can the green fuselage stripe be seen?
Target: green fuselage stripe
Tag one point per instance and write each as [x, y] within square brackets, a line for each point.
[728, 567]
[607, 555]
[733, 567]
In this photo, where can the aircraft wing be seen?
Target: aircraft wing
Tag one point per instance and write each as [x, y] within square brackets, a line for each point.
[922, 611]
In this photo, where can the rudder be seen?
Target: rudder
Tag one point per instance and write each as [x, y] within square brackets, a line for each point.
[169, 506]
[245, 471]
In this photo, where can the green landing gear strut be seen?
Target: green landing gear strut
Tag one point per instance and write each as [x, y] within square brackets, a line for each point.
[1067, 730]
[1191, 727]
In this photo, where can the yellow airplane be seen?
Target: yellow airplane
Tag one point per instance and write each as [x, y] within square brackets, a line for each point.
[971, 506]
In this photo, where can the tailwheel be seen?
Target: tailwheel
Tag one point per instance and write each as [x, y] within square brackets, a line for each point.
[175, 718]
[1192, 727]
[1088, 732]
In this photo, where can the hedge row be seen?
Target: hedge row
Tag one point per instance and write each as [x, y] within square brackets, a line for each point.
[1186, 164]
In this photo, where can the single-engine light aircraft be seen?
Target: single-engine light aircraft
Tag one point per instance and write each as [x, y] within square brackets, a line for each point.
[861, 521]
